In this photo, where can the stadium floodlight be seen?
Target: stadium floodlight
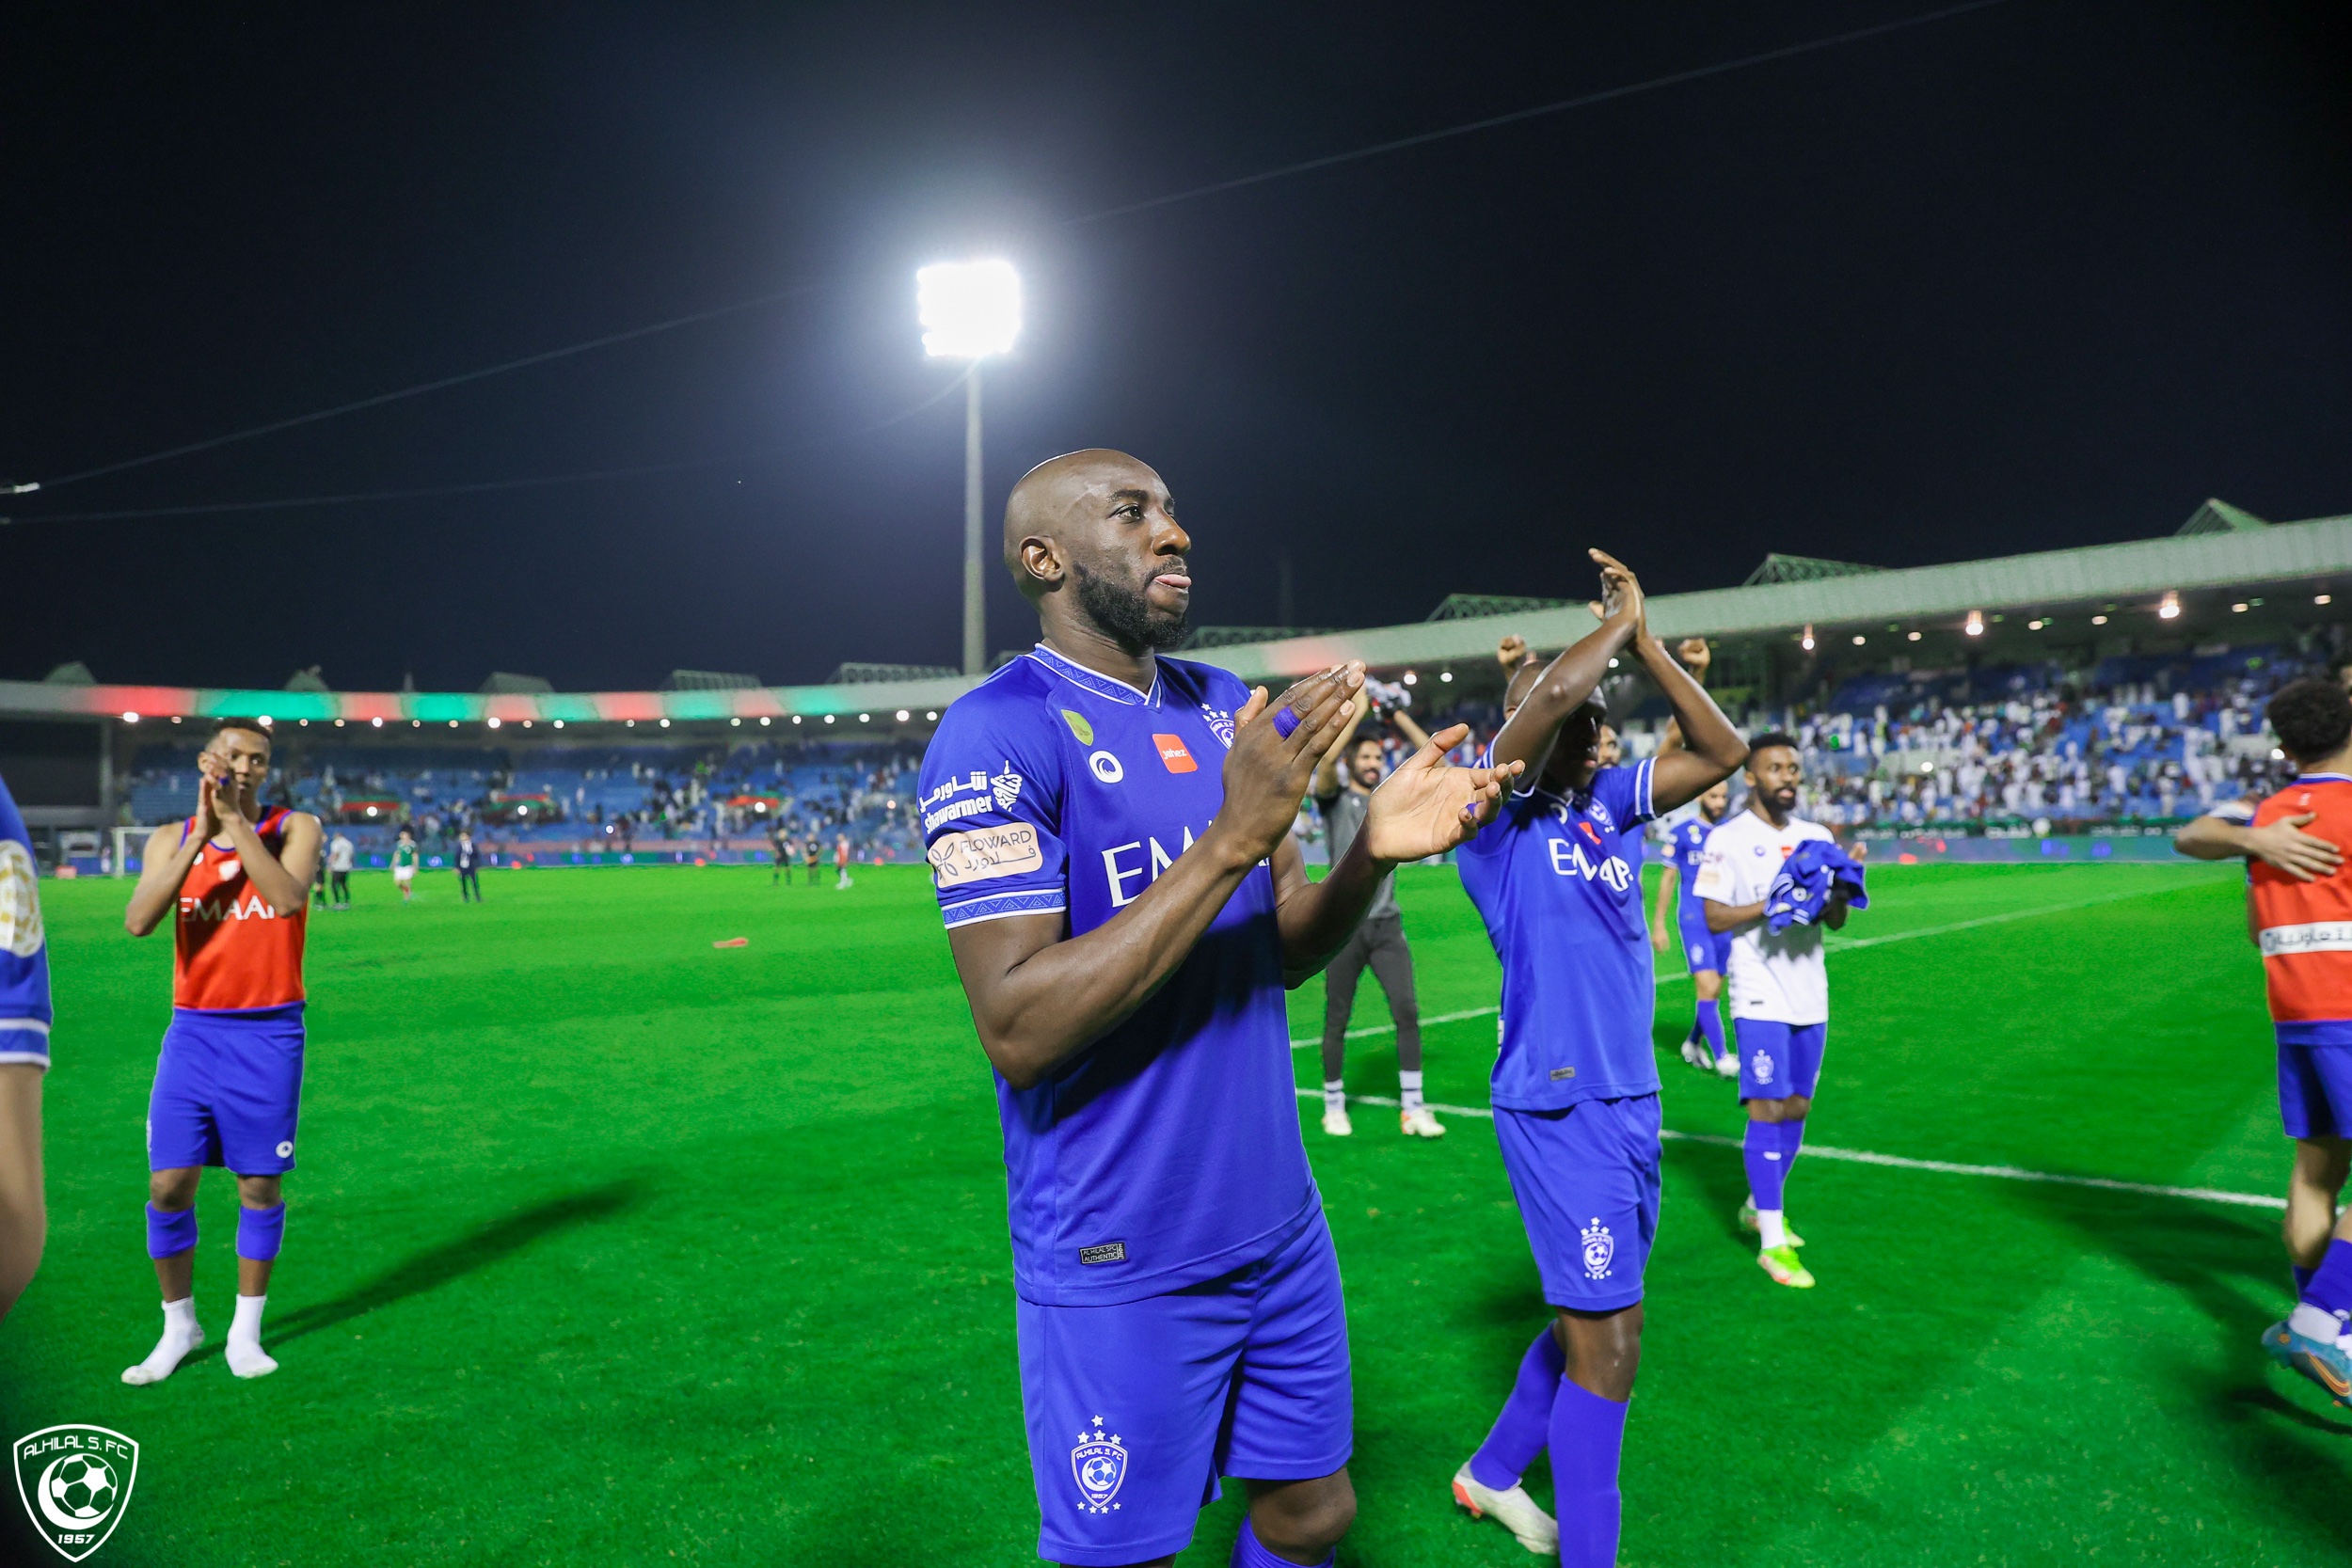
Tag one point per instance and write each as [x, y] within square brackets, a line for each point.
[1807, 640]
[1859, 639]
[2321, 598]
[1976, 624]
[494, 721]
[130, 718]
[2239, 609]
[969, 311]
[2170, 609]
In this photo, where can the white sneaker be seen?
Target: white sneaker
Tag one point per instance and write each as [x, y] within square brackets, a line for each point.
[1727, 1067]
[1695, 1054]
[1336, 1123]
[1419, 1123]
[1514, 1510]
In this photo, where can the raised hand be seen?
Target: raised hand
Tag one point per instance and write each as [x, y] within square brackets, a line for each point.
[1695, 655]
[1427, 806]
[1267, 770]
[1512, 652]
[1620, 595]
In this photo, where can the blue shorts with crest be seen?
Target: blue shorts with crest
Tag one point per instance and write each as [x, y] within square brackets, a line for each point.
[1587, 1179]
[228, 1091]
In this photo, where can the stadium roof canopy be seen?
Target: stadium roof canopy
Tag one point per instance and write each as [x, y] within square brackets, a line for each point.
[2223, 549]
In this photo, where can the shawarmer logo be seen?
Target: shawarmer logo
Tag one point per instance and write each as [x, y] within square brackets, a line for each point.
[75, 1481]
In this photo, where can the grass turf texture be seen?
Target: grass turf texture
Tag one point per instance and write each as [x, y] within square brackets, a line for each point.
[610, 1247]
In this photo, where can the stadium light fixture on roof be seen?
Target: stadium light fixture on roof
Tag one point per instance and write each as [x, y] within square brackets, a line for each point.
[559, 724]
[2098, 620]
[931, 714]
[2239, 609]
[1976, 624]
[1912, 636]
[266, 721]
[1445, 674]
[969, 309]
[1807, 640]
[2170, 609]
[902, 716]
[377, 722]
[2321, 598]
[1859, 639]
[493, 720]
[130, 718]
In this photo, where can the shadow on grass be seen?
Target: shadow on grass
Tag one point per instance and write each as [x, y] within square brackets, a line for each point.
[451, 1260]
[2232, 1267]
[1722, 1174]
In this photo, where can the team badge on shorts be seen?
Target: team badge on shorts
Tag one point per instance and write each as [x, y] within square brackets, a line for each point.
[1600, 1249]
[1099, 1464]
[75, 1481]
[1762, 1062]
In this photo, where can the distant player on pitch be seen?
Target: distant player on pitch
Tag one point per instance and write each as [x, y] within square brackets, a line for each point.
[24, 1018]
[405, 865]
[1779, 989]
[229, 1083]
[2304, 929]
[1575, 1087]
[1109, 830]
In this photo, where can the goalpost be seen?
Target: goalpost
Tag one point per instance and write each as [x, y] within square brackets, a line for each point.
[129, 843]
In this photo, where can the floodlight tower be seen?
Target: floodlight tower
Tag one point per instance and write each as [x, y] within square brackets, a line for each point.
[969, 311]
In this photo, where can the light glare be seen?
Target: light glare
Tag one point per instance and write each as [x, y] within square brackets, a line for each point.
[969, 309]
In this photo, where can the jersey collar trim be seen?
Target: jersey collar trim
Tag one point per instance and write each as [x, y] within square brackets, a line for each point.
[2321, 778]
[1100, 685]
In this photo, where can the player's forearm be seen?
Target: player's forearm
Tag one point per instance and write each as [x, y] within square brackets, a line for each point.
[159, 888]
[1317, 918]
[1730, 917]
[1711, 749]
[1038, 1012]
[272, 880]
[2209, 838]
[24, 1223]
[1667, 882]
[1564, 687]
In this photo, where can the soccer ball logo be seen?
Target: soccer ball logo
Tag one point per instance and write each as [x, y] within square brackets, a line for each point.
[1098, 1465]
[80, 1488]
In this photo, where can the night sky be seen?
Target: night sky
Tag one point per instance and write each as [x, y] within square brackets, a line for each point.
[2047, 274]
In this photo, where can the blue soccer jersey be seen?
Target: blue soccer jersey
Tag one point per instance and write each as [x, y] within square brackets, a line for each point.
[1166, 1152]
[24, 1014]
[1562, 905]
[1686, 847]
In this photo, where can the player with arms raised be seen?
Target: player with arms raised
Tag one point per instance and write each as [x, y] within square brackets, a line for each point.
[1109, 833]
[229, 1085]
[1575, 1082]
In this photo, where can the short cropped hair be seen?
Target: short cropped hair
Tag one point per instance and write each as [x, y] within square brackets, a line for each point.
[2311, 718]
[1773, 737]
[1367, 735]
[250, 726]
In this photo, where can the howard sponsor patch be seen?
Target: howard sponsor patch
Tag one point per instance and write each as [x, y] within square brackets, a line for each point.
[981, 854]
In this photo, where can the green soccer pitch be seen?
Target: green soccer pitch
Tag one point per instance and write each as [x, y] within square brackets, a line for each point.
[608, 1246]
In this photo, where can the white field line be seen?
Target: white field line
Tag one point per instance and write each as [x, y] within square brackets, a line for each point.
[1862, 1157]
[1835, 945]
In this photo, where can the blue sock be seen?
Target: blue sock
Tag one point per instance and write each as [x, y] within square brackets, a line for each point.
[260, 1232]
[1767, 1167]
[2302, 1279]
[1249, 1552]
[168, 1235]
[1792, 1140]
[1587, 1437]
[1518, 1434]
[1711, 1025]
[2330, 1286]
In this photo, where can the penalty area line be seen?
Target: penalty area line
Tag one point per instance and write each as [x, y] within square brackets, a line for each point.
[1898, 1162]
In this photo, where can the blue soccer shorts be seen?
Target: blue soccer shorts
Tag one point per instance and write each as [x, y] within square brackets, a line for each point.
[228, 1091]
[1705, 951]
[2315, 1090]
[1587, 1179]
[1777, 1059]
[1135, 1409]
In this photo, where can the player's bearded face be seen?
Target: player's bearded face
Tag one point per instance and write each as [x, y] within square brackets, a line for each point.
[1124, 609]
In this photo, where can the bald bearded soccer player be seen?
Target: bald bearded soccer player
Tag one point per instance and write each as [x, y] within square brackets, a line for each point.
[1109, 833]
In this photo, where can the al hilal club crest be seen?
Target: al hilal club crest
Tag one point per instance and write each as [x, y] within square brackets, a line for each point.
[1221, 723]
[1600, 1249]
[1099, 1464]
[75, 1481]
[1005, 786]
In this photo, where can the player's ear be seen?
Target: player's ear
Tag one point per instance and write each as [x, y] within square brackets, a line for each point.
[1041, 566]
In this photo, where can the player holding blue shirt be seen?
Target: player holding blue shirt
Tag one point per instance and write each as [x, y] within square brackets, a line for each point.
[24, 1018]
[1576, 1084]
[1707, 952]
[1109, 833]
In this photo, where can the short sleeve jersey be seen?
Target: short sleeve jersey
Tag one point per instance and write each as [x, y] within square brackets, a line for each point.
[1561, 901]
[25, 1012]
[1778, 976]
[2305, 928]
[1684, 847]
[1168, 1152]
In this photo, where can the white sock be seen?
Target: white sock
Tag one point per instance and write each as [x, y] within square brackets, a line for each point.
[2315, 1323]
[245, 1357]
[1770, 1229]
[1409, 1089]
[1335, 1094]
[182, 1333]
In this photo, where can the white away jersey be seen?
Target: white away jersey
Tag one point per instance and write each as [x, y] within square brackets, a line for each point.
[1775, 975]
